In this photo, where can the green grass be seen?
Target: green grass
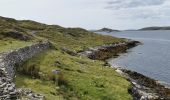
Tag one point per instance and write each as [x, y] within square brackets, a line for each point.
[80, 77]
[72, 38]
[76, 39]
[11, 44]
[47, 88]
[86, 79]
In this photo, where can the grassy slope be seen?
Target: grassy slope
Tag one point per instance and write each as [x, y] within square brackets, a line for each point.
[85, 79]
[75, 38]
[72, 38]
[81, 78]
[13, 36]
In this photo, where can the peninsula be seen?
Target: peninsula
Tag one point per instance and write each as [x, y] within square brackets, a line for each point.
[108, 30]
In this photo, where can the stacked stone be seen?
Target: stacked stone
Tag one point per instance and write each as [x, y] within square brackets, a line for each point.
[20, 55]
[8, 60]
[7, 87]
[8, 90]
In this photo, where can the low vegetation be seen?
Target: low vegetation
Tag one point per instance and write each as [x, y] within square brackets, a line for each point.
[72, 38]
[8, 44]
[77, 78]
[56, 73]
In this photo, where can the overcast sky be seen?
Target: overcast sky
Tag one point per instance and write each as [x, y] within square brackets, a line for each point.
[91, 14]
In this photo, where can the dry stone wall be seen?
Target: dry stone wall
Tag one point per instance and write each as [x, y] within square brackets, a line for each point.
[8, 60]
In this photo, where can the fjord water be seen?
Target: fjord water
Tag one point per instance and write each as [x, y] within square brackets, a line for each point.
[151, 59]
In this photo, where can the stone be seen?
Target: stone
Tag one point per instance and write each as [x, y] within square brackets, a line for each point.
[2, 85]
[56, 72]
[30, 95]
[20, 55]
[119, 71]
[10, 88]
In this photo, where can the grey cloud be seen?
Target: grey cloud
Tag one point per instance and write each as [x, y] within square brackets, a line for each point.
[121, 4]
[139, 9]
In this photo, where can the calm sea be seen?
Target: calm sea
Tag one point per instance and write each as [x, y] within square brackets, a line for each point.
[151, 59]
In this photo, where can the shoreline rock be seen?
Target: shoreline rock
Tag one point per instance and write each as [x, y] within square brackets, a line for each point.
[143, 87]
[108, 51]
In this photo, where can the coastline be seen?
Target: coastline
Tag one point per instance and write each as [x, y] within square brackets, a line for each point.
[105, 52]
[143, 87]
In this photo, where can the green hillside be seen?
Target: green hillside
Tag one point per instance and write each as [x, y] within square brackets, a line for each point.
[79, 78]
[73, 38]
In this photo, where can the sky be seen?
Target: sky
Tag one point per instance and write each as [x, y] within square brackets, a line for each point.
[90, 14]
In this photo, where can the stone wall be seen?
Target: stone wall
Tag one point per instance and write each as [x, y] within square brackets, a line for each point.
[9, 59]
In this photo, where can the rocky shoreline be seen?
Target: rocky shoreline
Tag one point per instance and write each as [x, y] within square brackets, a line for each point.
[108, 51]
[143, 87]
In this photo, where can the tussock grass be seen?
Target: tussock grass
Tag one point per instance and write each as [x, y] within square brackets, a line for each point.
[81, 78]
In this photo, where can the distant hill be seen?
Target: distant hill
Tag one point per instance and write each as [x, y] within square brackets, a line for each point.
[156, 28]
[108, 30]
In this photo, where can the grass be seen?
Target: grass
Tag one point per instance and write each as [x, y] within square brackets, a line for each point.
[86, 79]
[79, 79]
[47, 88]
[11, 44]
[76, 39]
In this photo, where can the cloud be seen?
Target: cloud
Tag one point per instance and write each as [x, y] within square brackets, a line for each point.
[139, 9]
[121, 4]
[118, 14]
